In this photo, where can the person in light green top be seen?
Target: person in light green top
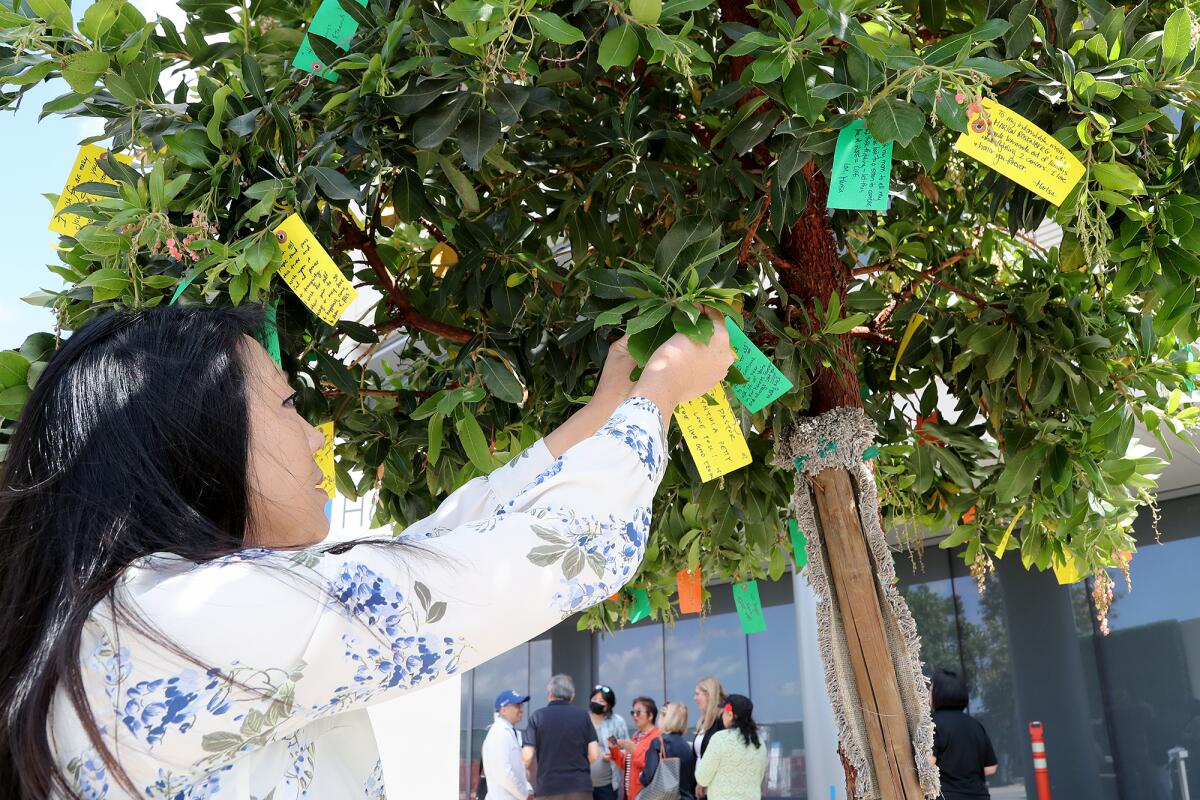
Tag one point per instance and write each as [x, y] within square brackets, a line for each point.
[735, 761]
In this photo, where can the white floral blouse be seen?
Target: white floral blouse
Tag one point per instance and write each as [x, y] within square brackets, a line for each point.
[300, 642]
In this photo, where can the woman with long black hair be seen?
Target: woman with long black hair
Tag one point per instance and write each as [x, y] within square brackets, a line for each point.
[172, 627]
[735, 761]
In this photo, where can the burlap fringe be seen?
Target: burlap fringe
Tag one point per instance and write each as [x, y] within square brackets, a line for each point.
[839, 438]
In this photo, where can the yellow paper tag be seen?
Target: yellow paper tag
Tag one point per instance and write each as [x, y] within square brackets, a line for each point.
[1067, 572]
[311, 273]
[713, 435]
[325, 459]
[1016, 148]
[86, 170]
[1008, 533]
[914, 322]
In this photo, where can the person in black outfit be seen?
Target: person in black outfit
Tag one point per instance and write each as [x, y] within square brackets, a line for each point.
[563, 740]
[672, 721]
[961, 747]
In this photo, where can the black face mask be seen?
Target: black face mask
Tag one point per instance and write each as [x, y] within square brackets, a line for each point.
[598, 708]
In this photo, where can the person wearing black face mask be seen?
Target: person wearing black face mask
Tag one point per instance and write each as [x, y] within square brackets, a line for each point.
[606, 778]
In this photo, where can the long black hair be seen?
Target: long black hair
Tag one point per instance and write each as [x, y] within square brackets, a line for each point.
[743, 718]
[135, 440]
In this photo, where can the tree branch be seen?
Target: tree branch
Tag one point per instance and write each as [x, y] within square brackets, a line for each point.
[974, 298]
[752, 231]
[406, 315]
[883, 316]
[434, 230]
[863, 332]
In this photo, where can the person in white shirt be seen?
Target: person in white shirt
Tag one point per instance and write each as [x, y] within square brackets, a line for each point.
[502, 763]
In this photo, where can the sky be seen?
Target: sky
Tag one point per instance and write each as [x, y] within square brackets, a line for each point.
[39, 155]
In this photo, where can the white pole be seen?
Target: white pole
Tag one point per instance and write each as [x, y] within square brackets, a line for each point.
[826, 779]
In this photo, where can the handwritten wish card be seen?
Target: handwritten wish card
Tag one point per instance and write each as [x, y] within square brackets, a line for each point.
[690, 586]
[713, 435]
[764, 382]
[268, 335]
[1021, 151]
[325, 459]
[862, 170]
[641, 605]
[311, 273]
[334, 24]
[799, 543]
[749, 607]
[86, 170]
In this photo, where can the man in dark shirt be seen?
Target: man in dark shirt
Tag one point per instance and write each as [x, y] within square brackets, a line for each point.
[563, 740]
[961, 747]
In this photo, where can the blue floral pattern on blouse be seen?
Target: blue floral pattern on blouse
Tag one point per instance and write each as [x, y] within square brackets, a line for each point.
[289, 657]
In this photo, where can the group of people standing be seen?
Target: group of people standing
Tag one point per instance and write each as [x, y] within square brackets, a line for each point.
[567, 753]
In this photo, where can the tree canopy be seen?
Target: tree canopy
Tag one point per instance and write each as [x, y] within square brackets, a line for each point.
[520, 179]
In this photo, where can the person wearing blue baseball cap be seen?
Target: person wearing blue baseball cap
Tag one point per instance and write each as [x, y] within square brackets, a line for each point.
[503, 769]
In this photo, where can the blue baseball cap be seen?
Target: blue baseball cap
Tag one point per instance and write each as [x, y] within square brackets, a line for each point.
[510, 698]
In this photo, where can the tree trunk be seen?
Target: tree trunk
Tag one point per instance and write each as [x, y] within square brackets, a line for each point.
[818, 272]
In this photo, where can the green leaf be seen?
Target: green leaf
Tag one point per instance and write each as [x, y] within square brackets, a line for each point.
[100, 18]
[1118, 178]
[1002, 355]
[337, 373]
[358, 332]
[436, 437]
[619, 47]
[501, 381]
[646, 12]
[554, 27]
[14, 368]
[648, 320]
[473, 440]
[462, 186]
[434, 127]
[1176, 40]
[106, 284]
[214, 126]
[334, 184]
[56, 12]
[1018, 475]
[477, 134]
[12, 400]
[82, 70]
[895, 120]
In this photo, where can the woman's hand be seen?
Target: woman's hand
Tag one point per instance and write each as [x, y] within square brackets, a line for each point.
[683, 369]
[626, 745]
[615, 384]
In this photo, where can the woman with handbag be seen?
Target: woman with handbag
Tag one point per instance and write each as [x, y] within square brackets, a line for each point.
[630, 754]
[670, 772]
[735, 761]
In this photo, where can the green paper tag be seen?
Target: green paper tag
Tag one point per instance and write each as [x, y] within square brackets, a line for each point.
[870, 452]
[764, 382]
[268, 336]
[641, 605]
[183, 284]
[334, 24]
[799, 542]
[862, 170]
[749, 607]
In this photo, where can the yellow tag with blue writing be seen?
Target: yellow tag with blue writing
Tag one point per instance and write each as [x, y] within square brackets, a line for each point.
[713, 435]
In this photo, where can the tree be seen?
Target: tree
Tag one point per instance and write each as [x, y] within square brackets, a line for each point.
[518, 180]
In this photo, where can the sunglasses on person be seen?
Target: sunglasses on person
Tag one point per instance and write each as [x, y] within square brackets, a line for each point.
[636, 712]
